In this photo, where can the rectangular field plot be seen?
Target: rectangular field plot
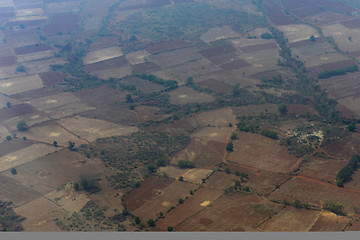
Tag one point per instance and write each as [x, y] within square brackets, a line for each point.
[290, 219]
[221, 54]
[43, 65]
[24, 155]
[68, 199]
[219, 118]
[167, 45]
[92, 129]
[137, 57]
[102, 54]
[298, 32]
[35, 56]
[260, 152]
[196, 203]
[20, 84]
[346, 38]
[329, 222]
[174, 57]
[235, 212]
[164, 200]
[184, 95]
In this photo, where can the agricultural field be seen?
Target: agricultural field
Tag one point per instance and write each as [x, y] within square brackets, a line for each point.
[181, 115]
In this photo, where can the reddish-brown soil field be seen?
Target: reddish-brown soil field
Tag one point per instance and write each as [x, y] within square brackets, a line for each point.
[143, 85]
[17, 110]
[145, 68]
[103, 42]
[32, 49]
[260, 152]
[37, 93]
[330, 66]
[235, 65]
[312, 191]
[167, 45]
[217, 86]
[190, 207]
[64, 22]
[163, 200]
[352, 24]
[148, 189]
[353, 226]
[101, 96]
[52, 78]
[117, 62]
[221, 180]
[258, 47]
[323, 168]
[13, 145]
[221, 54]
[344, 147]
[7, 61]
[275, 14]
[329, 222]
[235, 212]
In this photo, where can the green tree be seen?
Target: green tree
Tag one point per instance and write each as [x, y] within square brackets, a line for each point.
[137, 220]
[71, 146]
[22, 126]
[151, 168]
[312, 38]
[8, 138]
[282, 109]
[180, 201]
[13, 171]
[55, 143]
[8, 104]
[227, 170]
[151, 223]
[352, 126]
[20, 68]
[129, 98]
[170, 228]
[230, 147]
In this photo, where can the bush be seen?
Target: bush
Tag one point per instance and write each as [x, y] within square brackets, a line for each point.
[8, 138]
[151, 168]
[266, 36]
[22, 126]
[151, 223]
[170, 228]
[13, 171]
[185, 164]
[345, 173]
[137, 220]
[230, 147]
[282, 109]
[227, 170]
[180, 201]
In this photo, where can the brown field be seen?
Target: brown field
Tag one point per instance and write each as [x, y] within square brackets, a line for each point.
[298, 32]
[103, 42]
[312, 191]
[203, 153]
[307, 42]
[351, 24]
[7, 61]
[50, 79]
[167, 45]
[147, 67]
[235, 65]
[20, 84]
[185, 95]
[196, 175]
[301, 109]
[354, 225]
[13, 145]
[20, 38]
[9, 71]
[30, 119]
[35, 56]
[216, 118]
[217, 86]
[329, 222]
[148, 189]
[15, 111]
[163, 200]
[220, 180]
[235, 212]
[43, 65]
[147, 113]
[31, 49]
[341, 35]
[106, 74]
[259, 47]
[275, 13]
[196, 203]
[218, 33]
[24, 155]
[261, 152]
[330, 66]
[105, 54]
[195, 69]
[64, 23]
[48, 133]
[49, 172]
[4, 99]
[92, 129]
[341, 87]
[323, 168]
[101, 96]
[37, 93]
[174, 57]
[3, 134]
[326, 18]
[68, 199]
[216, 134]
[171, 171]
[227, 79]
[290, 219]
[143, 85]
[55, 7]
[222, 54]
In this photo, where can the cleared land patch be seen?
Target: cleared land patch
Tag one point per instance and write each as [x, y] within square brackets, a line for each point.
[329, 222]
[137, 57]
[196, 175]
[20, 84]
[175, 57]
[218, 33]
[24, 155]
[184, 95]
[102, 54]
[92, 129]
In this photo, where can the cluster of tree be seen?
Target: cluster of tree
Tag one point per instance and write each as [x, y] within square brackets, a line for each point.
[9, 220]
[266, 36]
[186, 164]
[345, 173]
[170, 84]
[269, 134]
[87, 184]
[22, 126]
[333, 206]
[337, 72]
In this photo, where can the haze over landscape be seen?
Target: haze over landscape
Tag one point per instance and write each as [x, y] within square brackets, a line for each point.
[179, 115]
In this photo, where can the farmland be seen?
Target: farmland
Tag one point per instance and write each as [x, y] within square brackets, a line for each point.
[182, 115]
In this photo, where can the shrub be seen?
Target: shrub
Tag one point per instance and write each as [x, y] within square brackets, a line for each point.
[13, 171]
[22, 126]
[170, 228]
[180, 201]
[151, 223]
[8, 138]
[230, 147]
[227, 170]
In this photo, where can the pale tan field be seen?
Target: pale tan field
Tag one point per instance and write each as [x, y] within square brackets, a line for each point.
[219, 118]
[4, 99]
[184, 95]
[29, 12]
[43, 65]
[218, 33]
[73, 6]
[30, 119]
[51, 133]
[25, 155]
[175, 57]
[35, 56]
[92, 129]
[3, 133]
[9, 71]
[103, 54]
[341, 36]
[137, 57]
[196, 175]
[218, 134]
[298, 32]
[20, 84]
